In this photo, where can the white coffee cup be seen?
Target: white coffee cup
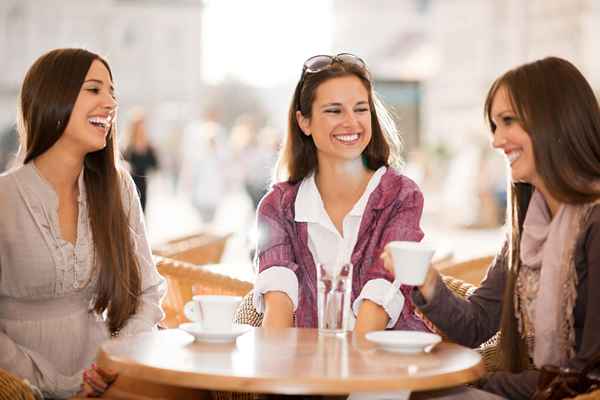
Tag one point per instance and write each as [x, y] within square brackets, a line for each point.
[411, 261]
[214, 312]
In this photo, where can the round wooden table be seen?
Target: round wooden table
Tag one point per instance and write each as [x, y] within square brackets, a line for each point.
[286, 361]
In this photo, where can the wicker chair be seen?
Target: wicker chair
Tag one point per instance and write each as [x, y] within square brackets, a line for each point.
[13, 388]
[470, 271]
[185, 280]
[199, 248]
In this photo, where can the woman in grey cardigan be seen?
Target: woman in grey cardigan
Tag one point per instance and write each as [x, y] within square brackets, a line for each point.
[73, 246]
[543, 285]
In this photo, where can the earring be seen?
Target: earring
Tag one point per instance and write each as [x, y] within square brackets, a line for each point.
[58, 124]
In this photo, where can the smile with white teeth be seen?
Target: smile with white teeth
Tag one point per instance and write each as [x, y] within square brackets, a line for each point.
[347, 138]
[514, 156]
[103, 122]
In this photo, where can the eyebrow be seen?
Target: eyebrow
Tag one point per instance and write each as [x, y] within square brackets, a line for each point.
[503, 112]
[360, 103]
[112, 88]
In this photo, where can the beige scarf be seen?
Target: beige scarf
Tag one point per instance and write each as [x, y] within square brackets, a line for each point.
[547, 281]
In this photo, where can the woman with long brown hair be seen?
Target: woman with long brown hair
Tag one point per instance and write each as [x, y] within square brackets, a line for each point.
[338, 199]
[75, 264]
[541, 290]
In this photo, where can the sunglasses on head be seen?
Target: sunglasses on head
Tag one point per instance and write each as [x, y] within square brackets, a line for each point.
[320, 62]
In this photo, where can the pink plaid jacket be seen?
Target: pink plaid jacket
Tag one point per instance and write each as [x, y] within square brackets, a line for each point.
[393, 212]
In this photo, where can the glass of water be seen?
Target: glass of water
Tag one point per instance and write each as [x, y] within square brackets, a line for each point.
[334, 288]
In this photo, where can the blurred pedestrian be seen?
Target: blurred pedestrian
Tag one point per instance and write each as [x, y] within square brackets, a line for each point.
[140, 155]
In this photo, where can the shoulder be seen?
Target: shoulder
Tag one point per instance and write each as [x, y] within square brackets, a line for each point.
[592, 221]
[396, 189]
[9, 181]
[280, 197]
[594, 215]
[8, 176]
[128, 189]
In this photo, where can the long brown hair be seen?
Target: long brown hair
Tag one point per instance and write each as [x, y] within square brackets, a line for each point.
[298, 155]
[557, 108]
[47, 97]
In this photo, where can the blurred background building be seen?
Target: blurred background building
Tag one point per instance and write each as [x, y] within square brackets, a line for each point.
[215, 77]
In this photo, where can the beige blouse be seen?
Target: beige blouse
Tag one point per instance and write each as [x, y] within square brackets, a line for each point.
[48, 333]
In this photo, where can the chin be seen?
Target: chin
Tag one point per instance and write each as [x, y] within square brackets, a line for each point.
[96, 147]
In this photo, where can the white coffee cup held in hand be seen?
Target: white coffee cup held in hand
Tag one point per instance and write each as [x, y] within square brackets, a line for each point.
[214, 312]
[411, 261]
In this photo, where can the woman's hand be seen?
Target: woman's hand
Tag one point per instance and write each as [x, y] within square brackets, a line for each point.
[427, 288]
[96, 381]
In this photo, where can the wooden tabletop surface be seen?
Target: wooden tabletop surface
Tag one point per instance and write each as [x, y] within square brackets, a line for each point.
[287, 361]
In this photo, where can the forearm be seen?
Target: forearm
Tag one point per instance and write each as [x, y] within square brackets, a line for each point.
[467, 322]
[279, 310]
[371, 317]
[149, 313]
[38, 371]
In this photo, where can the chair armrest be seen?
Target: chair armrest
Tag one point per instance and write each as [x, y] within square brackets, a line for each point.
[458, 286]
[246, 312]
[595, 395]
[14, 388]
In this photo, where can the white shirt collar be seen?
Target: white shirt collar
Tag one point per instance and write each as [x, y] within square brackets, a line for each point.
[309, 205]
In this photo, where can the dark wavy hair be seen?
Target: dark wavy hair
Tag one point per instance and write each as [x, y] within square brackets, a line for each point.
[298, 155]
[47, 98]
[557, 108]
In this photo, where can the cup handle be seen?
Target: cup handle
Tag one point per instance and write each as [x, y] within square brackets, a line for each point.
[192, 311]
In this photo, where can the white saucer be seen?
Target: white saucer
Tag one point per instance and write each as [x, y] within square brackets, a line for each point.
[408, 342]
[195, 329]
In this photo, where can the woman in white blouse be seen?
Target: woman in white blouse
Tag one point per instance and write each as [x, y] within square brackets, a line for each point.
[75, 263]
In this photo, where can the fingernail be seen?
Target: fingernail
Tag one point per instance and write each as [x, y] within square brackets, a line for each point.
[94, 366]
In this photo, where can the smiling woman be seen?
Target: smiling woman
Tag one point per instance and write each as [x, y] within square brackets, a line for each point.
[541, 289]
[338, 200]
[72, 235]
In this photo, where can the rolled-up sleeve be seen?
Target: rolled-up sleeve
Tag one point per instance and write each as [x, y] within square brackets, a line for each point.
[275, 279]
[149, 312]
[384, 294]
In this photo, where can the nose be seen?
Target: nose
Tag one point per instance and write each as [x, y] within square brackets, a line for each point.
[350, 119]
[498, 140]
[110, 104]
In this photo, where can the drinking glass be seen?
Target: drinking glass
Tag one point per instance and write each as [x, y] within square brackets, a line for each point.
[333, 296]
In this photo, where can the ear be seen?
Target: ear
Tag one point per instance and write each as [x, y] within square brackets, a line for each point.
[303, 123]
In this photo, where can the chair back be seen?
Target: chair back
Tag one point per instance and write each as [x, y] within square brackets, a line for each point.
[471, 271]
[185, 280]
[199, 248]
